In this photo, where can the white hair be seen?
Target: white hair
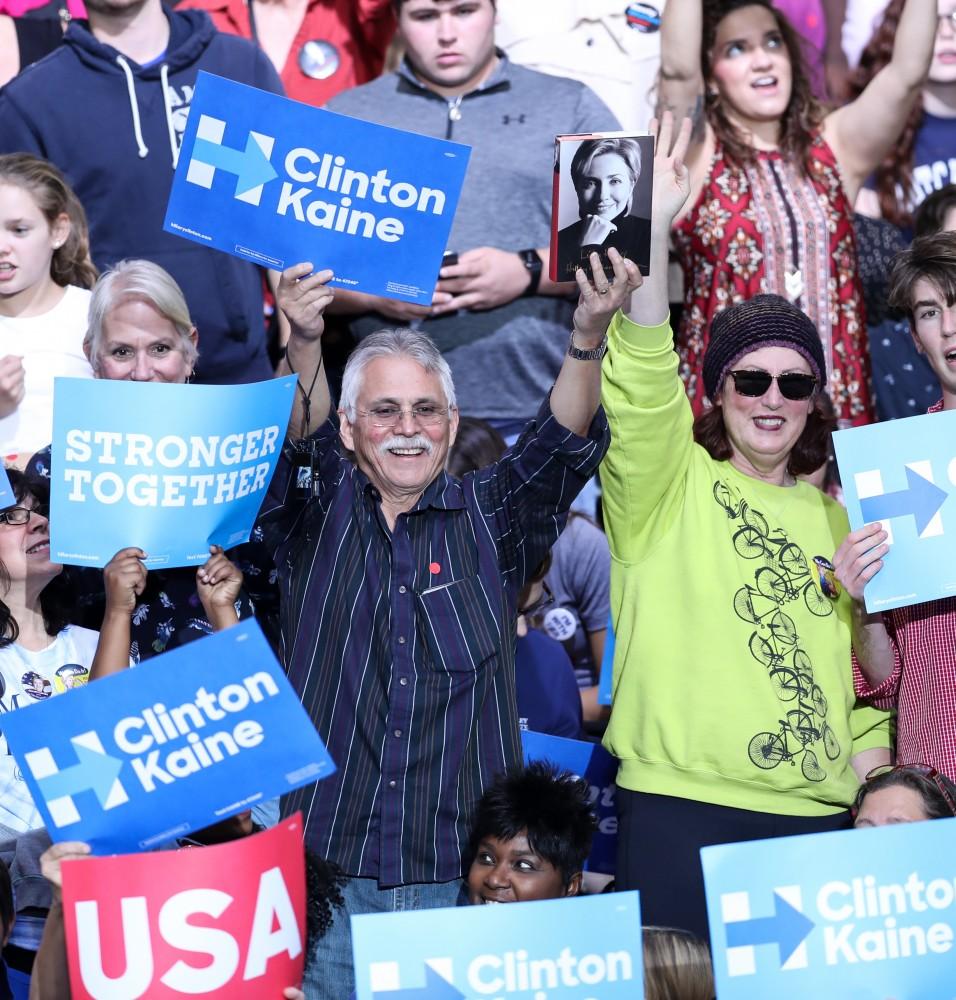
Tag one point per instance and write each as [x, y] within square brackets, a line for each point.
[139, 279]
[400, 343]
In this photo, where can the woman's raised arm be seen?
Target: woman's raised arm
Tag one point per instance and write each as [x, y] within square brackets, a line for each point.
[863, 132]
[681, 81]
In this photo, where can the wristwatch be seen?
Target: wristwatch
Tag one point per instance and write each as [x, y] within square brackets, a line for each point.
[533, 264]
[595, 354]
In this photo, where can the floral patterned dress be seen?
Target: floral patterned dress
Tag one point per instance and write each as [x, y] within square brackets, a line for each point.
[769, 227]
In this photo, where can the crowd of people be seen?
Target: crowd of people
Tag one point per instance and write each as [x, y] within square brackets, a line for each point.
[435, 563]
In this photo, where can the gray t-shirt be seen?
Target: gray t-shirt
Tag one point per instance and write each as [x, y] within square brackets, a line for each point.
[580, 579]
[504, 360]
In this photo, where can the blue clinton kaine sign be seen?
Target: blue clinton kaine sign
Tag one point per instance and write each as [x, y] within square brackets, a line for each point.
[867, 913]
[174, 745]
[277, 182]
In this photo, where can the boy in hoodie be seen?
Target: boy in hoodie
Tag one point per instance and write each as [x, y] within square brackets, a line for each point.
[109, 108]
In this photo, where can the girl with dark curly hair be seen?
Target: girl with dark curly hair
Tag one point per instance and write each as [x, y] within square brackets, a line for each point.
[773, 177]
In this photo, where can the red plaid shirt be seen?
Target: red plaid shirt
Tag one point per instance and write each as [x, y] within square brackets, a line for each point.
[922, 686]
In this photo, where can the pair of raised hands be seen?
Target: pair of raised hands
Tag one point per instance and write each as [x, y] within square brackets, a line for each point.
[218, 582]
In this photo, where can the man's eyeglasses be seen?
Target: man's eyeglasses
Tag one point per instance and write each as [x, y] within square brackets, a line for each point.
[20, 515]
[424, 414]
[792, 385]
[927, 770]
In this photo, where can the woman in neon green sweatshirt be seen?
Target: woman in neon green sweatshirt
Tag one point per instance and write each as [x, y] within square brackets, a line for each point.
[734, 716]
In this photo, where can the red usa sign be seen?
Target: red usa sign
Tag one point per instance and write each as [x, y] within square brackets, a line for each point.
[214, 922]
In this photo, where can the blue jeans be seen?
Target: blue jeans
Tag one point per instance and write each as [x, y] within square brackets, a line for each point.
[328, 969]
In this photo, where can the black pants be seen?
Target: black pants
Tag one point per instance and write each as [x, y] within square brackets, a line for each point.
[658, 850]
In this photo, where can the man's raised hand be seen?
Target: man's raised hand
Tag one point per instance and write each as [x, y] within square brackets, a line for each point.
[303, 298]
[600, 298]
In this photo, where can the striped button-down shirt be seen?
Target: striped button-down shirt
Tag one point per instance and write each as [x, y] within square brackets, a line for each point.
[401, 643]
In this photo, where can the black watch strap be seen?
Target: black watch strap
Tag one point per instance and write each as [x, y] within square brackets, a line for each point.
[533, 265]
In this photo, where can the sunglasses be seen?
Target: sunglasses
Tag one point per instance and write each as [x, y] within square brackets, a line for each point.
[792, 385]
[927, 770]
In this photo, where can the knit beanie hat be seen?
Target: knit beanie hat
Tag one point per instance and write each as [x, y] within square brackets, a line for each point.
[763, 321]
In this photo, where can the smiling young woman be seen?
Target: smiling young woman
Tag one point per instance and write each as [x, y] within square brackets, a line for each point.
[41, 653]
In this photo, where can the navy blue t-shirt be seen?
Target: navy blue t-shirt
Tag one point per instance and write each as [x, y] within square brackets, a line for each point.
[934, 156]
[548, 697]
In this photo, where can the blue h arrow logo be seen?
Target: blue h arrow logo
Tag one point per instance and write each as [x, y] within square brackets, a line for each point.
[787, 928]
[436, 988]
[922, 499]
[251, 165]
[95, 770]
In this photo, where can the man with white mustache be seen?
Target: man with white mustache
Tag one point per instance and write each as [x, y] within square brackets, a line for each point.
[400, 586]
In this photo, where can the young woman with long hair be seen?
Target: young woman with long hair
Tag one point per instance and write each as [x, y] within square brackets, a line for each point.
[45, 276]
[774, 177]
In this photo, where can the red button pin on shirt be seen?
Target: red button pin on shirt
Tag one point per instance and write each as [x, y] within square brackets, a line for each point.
[434, 569]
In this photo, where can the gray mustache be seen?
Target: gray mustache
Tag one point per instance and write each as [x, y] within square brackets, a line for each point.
[398, 441]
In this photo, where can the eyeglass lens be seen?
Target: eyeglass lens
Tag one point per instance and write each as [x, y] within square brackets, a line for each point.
[20, 515]
[386, 416]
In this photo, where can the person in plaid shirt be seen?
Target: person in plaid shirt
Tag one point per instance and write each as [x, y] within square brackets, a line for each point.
[904, 658]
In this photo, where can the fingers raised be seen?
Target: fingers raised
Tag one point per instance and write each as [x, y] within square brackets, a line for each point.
[682, 142]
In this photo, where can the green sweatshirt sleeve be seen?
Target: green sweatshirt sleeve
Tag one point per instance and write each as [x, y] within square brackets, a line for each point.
[642, 476]
[869, 727]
